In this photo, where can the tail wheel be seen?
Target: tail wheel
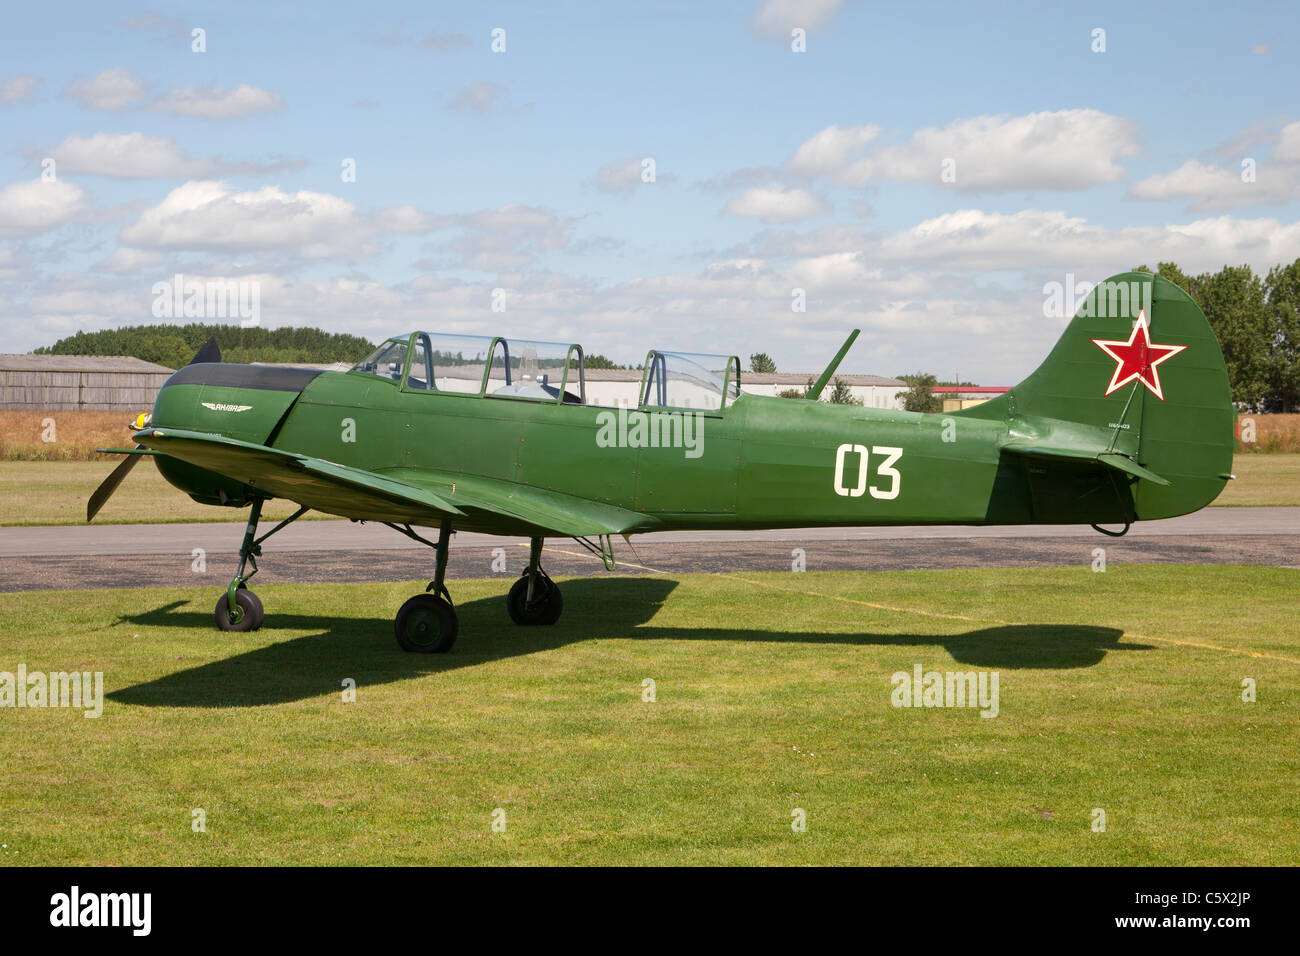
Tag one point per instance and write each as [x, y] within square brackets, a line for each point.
[426, 625]
[545, 607]
[249, 617]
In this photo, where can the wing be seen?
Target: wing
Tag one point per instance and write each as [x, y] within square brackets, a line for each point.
[403, 496]
[489, 502]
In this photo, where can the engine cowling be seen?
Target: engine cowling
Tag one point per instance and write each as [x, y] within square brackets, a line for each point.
[246, 402]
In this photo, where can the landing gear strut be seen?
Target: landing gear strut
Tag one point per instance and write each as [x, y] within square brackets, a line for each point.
[239, 609]
[535, 598]
[427, 623]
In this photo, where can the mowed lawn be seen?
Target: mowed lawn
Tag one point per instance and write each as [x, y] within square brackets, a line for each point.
[1118, 691]
[56, 492]
[1263, 479]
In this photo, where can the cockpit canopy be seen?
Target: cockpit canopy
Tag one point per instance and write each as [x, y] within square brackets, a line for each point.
[480, 364]
[706, 383]
[544, 371]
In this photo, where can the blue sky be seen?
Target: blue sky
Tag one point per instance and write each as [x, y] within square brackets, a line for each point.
[775, 170]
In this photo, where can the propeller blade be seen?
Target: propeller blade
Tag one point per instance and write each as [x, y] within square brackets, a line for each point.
[105, 491]
[210, 352]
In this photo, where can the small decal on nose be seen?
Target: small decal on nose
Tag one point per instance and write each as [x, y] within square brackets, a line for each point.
[219, 407]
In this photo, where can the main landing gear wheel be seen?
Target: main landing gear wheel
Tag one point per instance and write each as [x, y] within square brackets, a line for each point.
[248, 614]
[426, 624]
[544, 608]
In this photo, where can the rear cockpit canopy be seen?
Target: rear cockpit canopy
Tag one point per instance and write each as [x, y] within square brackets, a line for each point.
[481, 365]
[688, 380]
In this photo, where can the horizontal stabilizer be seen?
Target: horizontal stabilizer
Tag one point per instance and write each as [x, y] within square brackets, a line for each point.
[1108, 459]
[1126, 464]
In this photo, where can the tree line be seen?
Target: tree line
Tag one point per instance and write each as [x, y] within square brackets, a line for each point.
[175, 345]
[1257, 322]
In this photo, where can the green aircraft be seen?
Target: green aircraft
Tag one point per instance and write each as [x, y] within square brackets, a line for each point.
[1128, 419]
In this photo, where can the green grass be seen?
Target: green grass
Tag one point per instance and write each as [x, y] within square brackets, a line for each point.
[55, 492]
[1264, 479]
[1118, 690]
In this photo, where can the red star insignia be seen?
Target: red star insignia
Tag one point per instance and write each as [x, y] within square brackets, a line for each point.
[1137, 358]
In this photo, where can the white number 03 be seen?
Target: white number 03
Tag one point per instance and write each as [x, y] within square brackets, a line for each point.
[884, 469]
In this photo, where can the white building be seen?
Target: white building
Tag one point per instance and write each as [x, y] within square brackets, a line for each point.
[614, 387]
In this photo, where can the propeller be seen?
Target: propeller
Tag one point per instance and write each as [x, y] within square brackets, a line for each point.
[105, 491]
[209, 352]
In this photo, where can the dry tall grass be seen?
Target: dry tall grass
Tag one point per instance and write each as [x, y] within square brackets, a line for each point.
[1272, 433]
[62, 436]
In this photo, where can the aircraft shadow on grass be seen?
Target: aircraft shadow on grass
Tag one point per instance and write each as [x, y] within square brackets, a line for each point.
[364, 649]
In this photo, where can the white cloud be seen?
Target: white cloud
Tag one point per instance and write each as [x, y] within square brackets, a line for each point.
[774, 19]
[515, 218]
[829, 152]
[210, 215]
[31, 208]
[840, 270]
[1288, 144]
[1035, 241]
[213, 217]
[405, 220]
[916, 295]
[214, 102]
[118, 88]
[482, 97]
[14, 262]
[1244, 141]
[909, 320]
[794, 244]
[1275, 180]
[114, 89]
[506, 238]
[126, 259]
[19, 88]
[1066, 149]
[1216, 187]
[774, 204]
[622, 178]
[1051, 239]
[122, 156]
[74, 303]
[136, 156]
